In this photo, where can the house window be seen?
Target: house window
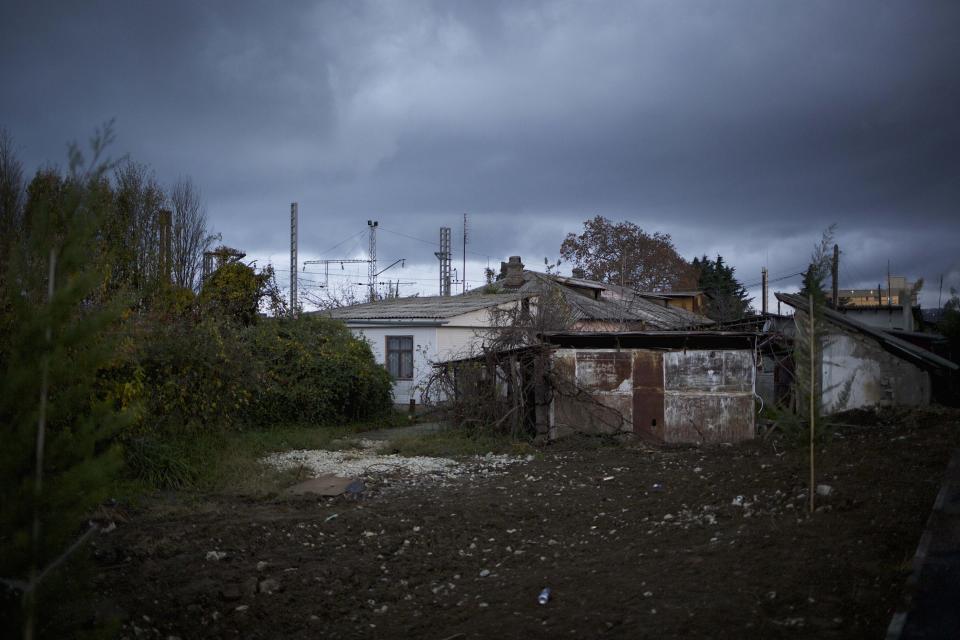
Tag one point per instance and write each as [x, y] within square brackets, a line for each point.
[400, 357]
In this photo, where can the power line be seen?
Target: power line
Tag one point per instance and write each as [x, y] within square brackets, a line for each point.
[432, 243]
[361, 232]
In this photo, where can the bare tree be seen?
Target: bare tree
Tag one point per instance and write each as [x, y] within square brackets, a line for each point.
[343, 295]
[191, 238]
[11, 195]
[133, 234]
[501, 384]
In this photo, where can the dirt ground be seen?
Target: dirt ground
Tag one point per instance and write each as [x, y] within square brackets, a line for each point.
[682, 543]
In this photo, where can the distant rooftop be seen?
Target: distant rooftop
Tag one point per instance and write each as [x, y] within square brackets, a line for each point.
[428, 307]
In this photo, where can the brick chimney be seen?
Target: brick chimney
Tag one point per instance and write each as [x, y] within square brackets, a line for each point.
[512, 272]
[577, 272]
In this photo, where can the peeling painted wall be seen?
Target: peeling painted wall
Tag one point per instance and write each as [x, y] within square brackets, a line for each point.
[673, 396]
[708, 396]
[857, 372]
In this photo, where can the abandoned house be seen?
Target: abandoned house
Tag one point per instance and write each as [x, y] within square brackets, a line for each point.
[864, 366]
[408, 335]
[662, 386]
[598, 306]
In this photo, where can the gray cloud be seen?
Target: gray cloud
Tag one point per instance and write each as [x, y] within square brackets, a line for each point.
[742, 128]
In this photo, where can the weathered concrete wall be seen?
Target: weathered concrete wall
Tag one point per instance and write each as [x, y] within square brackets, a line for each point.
[857, 372]
[708, 396]
[679, 396]
[593, 394]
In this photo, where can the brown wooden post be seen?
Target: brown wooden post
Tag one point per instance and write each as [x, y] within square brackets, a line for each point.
[813, 391]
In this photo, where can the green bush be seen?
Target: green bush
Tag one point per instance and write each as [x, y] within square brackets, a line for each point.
[313, 371]
[196, 378]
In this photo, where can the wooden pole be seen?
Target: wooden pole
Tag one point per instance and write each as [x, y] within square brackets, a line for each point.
[31, 593]
[813, 390]
[763, 281]
[835, 276]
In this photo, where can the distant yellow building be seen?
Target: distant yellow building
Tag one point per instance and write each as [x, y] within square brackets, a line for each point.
[881, 297]
[692, 301]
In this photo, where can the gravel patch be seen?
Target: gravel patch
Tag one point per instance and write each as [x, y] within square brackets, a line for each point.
[367, 463]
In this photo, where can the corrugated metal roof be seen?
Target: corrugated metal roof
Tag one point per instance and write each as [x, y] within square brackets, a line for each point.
[620, 305]
[625, 307]
[894, 345]
[429, 307]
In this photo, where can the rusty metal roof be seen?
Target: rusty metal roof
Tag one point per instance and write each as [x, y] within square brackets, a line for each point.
[667, 340]
[900, 348]
[625, 307]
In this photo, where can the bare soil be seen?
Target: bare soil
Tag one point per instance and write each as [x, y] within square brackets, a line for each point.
[681, 543]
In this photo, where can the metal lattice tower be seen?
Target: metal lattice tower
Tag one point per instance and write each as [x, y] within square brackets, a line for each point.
[445, 261]
[372, 257]
[293, 259]
[463, 276]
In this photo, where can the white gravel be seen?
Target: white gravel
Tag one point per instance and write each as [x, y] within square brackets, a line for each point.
[367, 463]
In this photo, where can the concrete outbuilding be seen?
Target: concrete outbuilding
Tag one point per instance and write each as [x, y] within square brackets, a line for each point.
[862, 366]
[664, 386]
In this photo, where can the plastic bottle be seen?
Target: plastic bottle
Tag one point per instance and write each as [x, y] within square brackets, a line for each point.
[544, 596]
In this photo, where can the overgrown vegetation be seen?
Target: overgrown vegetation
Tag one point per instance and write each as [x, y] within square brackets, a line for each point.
[120, 361]
[804, 406]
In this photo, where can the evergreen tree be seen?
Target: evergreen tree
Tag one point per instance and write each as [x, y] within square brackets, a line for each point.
[55, 406]
[727, 297]
[809, 343]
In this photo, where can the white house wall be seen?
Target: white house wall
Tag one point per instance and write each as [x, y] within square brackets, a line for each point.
[859, 373]
[424, 352]
[458, 342]
[457, 337]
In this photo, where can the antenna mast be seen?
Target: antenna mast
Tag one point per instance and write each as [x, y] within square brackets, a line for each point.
[372, 256]
[463, 275]
[293, 259]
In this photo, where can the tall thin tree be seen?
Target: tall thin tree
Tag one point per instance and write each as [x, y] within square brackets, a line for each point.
[191, 237]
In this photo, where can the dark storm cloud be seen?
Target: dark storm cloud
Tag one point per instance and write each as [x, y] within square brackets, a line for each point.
[741, 127]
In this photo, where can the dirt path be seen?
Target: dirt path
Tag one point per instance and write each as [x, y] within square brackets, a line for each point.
[383, 435]
[688, 543]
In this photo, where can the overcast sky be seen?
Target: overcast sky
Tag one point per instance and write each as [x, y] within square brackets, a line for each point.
[743, 128]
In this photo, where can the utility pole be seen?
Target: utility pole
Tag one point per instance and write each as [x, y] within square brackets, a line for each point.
[372, 257]
[835, 272]
[763, 280]
[165, 219]
[889, 286]
[463, 276]
[444, 255]
[293, 259]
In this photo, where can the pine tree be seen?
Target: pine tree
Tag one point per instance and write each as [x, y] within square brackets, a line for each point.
[809, 347]
[727, 297]
[52, 356]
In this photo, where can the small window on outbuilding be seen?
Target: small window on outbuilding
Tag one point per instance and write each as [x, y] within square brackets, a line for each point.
[400, 357]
